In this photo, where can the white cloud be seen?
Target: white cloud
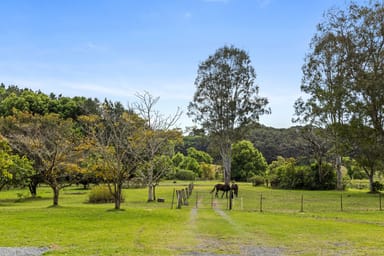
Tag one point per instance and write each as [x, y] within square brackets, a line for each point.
[263, 3]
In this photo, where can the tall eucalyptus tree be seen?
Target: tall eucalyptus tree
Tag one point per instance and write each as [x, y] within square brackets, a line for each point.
[343, 76]
[226, 99]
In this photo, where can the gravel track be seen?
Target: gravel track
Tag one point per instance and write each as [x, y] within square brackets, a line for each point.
[22, 251]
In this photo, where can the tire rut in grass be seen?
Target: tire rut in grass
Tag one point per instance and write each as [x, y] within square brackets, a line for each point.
[211, 246]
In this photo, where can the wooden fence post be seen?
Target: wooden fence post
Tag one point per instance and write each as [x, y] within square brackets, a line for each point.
[261, 202]
[341, 201]
[190, 188]
[179, 199]
[173, 198]
[197, 199]
[230, 200]
[302, 203]
[185, 198]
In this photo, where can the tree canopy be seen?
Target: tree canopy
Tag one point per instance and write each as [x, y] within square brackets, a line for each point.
[247, 161]
[226, 99]
[50, 141]
[343, 76]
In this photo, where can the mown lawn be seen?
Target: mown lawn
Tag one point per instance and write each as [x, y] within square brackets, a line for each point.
[141, 228]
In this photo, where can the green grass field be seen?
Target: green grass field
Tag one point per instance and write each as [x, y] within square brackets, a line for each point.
[79, 228]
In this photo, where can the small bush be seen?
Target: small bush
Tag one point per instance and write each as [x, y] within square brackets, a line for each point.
[185, 175]
[257, 180]
[208, 171]
[377, 186]
[101, 194]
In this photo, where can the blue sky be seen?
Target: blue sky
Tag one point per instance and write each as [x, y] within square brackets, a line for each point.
[116, 48]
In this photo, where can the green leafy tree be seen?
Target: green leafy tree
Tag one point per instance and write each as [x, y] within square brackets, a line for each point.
[285, 173]
[195, 138]
[114, 146]
[317, 146]
[353, 169]
[177, 159]
[361, 142]
[200, 156]
[13, 98]
[343, 76]
[50, 141]
[226, 99]
[191, 164]
[278, 170]
[247, 161]
[14, 170]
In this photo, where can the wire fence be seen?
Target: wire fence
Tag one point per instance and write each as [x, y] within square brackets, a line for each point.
[270, 200]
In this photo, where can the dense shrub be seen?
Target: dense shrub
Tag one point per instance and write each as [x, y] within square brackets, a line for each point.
[377, 186]
[185, 175]
[247, 161]
[191, 164]
[284, 173]
[257, 180]
[101, 194]
[326, 180]
[200, 156]
[208, 171]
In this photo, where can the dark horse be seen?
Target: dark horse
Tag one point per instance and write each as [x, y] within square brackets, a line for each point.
[235, 189]
[225, 188]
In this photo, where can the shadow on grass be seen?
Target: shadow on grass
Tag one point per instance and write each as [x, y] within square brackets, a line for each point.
[116, 210]
[6, 203]
[76, 193]
[32, 199]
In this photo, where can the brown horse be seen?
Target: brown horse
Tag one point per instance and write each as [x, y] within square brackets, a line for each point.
[225, 188]
[222, 187]
[235, 189]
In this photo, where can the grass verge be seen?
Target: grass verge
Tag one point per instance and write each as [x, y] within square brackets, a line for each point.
[79, 228]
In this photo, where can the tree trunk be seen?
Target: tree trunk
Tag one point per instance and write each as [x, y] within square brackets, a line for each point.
[32, 189]
[227, 169]
[339, 185]
[370, 177]
[56, 191]
[320, 169]
[154, 192]
[117, 194]
[33, 185]
[226, 155]
[150, 192]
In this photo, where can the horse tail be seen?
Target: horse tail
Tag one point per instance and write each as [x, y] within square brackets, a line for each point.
[214, 187]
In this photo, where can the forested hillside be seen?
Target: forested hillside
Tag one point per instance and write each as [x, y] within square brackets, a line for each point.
[272, 142]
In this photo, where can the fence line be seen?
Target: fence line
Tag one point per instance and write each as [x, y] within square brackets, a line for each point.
[182, 196]
[271, 200]
[292, 201]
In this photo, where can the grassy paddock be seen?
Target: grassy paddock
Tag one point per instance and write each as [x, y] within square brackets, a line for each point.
[79, 228]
